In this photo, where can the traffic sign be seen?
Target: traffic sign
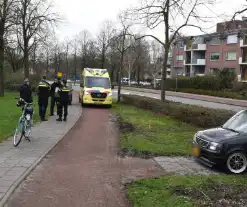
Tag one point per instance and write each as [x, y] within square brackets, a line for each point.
[59, 74]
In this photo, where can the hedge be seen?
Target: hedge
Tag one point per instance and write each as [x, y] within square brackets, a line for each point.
[195, 115]
[223, 94]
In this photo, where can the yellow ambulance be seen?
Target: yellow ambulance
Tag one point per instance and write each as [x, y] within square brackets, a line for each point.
[95, 87]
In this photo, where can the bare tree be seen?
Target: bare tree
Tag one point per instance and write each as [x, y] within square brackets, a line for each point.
[104, 39]
[155, 13]
[129, 60]
[156, 60]
[75, 52]
[240, 11]
[33, 19]
[13, 54]
[66, 54]
[113, 58]
[142, 58]
[84, 40]
[122, 47]
[6, 14]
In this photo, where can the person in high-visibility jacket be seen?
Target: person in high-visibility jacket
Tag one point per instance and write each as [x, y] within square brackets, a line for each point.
[63, 102]
[43, 93]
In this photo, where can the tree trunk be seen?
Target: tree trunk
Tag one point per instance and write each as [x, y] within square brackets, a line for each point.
[112, 73]
[75, 66]
[103, 57]
[47, 65]
[166, 47]
[67, 66]
[154, 82]
[129, 76]
[138, 74]
[1, 59]
[120, 76]
[26, 60]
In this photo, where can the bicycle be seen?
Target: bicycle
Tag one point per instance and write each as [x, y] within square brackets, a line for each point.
[24, 122]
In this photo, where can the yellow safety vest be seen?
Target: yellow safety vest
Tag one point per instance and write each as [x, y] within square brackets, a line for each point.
[65, 89]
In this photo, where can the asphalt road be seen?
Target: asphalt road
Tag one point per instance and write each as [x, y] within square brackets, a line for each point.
[207, 104]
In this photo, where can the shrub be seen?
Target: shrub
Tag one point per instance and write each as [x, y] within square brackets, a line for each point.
[196, 115]
[16, 87]
[223, 94]
[226, 78]
[15, 80]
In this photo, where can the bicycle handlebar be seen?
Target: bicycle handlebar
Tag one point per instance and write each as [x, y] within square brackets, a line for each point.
[24, 101]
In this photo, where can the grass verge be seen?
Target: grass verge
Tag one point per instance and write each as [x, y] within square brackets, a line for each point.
[187, 191]
[166, 136]
[9, 114]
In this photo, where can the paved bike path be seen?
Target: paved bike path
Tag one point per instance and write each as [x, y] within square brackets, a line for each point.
[84, 168]
[16, 163]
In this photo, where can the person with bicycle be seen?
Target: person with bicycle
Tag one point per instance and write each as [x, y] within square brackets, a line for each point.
[26, 91]
[63, 102]
[43, 96]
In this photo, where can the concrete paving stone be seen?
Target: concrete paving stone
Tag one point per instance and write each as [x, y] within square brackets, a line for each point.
[10, 177]
[16, 170]
[6, 183]
[4, 170]
[1, 195]
[23, 164]
[4, 189]
[183, 166]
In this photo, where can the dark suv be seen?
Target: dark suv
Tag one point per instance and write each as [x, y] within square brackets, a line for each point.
[225, 145]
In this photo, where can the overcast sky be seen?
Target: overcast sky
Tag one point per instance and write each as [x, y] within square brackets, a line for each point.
[89, 14]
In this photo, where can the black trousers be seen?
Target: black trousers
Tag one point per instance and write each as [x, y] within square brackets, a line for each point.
[42, 108]
[62, 109]
[53, 103]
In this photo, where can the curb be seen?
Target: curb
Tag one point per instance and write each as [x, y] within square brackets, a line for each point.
[32, 167]
[227, 101]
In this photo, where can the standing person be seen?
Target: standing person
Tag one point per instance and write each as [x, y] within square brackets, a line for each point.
[26, 91]
[43, 96]
[56, 84]
[62, 105]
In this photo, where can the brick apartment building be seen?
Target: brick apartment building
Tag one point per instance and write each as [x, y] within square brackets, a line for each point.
[204, 54]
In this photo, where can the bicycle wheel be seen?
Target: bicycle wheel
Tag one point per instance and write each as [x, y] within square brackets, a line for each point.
[27, 130]
[19, 132]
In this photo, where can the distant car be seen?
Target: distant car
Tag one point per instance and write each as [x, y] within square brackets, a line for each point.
[69, 85]
[225, 145]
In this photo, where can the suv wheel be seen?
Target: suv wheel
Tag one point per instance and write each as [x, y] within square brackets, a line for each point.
[236, 162]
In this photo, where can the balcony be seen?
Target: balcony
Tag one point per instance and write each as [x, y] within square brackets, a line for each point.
[243, 42]
[242, 61]
[195, 47]
[196, 62]
[199, 62]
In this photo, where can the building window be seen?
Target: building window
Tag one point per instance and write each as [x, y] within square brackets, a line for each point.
[215, 41]
[231, 56]
[180, 57]
[214, 56]
[232, 39]
[180, 44]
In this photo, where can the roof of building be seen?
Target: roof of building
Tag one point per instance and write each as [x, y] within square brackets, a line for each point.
[214, 34]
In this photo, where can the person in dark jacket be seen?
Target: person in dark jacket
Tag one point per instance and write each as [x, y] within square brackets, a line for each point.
[54, 86]
[43, 96]
[26, 91]
[62, 105]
